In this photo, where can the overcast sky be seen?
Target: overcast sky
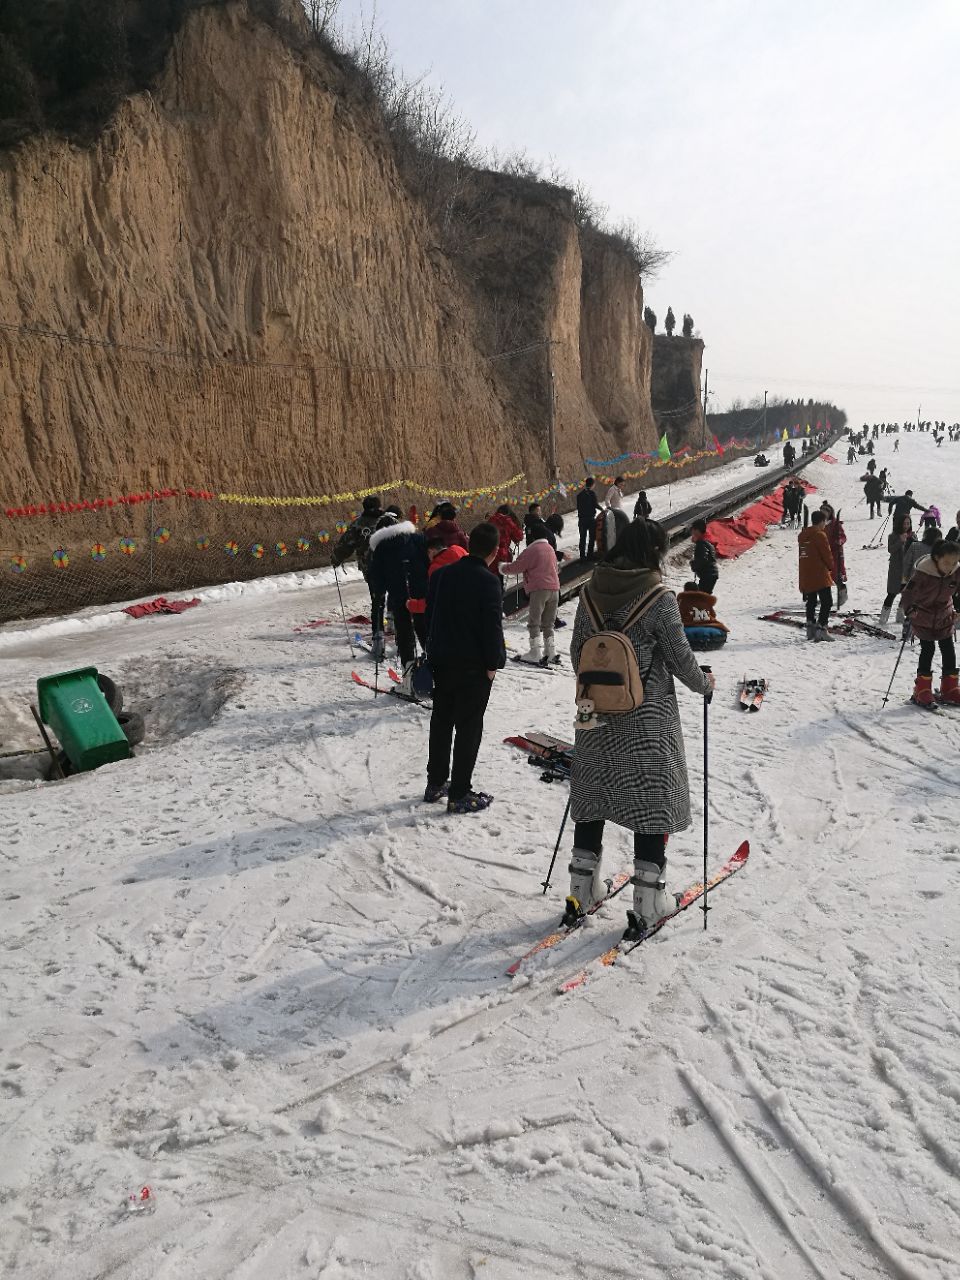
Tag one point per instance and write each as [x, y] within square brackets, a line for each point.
[799, 159]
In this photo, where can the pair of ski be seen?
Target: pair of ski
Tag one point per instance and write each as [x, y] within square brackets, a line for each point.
[552, 754]
[392, 690]
[751, 694]
[545, 664]
[612, 953]
[848, 627]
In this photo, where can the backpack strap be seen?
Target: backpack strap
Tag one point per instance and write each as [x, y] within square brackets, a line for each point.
[641, 607]
[636, 613]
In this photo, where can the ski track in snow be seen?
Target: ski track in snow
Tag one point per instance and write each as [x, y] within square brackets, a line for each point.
[252, 970]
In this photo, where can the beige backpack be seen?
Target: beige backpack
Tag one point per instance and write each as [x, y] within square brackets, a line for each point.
[608, 674]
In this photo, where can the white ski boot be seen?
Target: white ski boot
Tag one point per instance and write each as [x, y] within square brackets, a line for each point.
[405, 687]
[651, 901]
[884, 615]
[586, 887]
[811, 631]
[550, 656]
[534, 655]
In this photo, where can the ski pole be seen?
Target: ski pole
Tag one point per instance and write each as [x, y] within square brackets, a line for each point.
[906, 636]
[346, 626]
[706, 793]
[556, 847]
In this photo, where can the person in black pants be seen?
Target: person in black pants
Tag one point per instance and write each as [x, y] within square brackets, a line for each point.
[704, 559]
[466, 650]
[587, 508]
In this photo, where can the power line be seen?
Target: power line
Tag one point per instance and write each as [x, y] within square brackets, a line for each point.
[823, 382]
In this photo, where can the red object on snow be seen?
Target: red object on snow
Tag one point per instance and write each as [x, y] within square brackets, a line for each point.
[161, 605]
[828, 457]
[735, 534]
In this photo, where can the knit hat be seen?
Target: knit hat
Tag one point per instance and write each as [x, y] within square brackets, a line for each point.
[371, 503]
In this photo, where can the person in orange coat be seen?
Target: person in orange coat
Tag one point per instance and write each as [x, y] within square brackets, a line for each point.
[816, 576]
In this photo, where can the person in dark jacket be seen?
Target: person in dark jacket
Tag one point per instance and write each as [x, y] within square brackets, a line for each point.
[873, 492]
[356, 539]
[398, 573]
[587, 507]
[704, 559]
[902, 506]
[466, 650]
[642, 509]
[898, 545]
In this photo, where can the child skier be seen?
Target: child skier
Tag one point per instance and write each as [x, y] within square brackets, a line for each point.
[703, 562]
[928, 604]
[541, 581]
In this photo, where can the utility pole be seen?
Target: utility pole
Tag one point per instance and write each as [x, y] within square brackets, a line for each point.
[764, 416]
[706, 379]
[552, 417]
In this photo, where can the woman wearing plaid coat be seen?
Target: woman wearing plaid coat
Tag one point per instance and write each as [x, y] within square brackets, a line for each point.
[631, 770]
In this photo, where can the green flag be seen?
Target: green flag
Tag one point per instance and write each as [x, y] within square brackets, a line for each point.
[664, 449]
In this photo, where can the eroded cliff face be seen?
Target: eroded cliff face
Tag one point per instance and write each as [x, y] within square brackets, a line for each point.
[675, 389]
[255, 302]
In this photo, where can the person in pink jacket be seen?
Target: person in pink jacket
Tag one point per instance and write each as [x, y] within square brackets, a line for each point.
[541, 582]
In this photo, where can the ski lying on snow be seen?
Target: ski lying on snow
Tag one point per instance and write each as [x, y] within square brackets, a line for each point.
[544, 664]
[369, 684]
[751, 694]
[843, 629]
[693, 893]
[618, 882]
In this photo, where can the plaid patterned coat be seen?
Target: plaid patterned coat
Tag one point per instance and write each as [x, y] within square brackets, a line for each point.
[632, 769]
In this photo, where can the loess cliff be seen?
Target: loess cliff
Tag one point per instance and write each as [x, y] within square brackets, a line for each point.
[255, 303]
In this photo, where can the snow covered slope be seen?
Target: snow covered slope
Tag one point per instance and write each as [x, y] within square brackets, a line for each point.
[253, 971]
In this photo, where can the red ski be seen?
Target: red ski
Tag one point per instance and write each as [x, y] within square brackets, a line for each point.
[618, 882]
[686, 899]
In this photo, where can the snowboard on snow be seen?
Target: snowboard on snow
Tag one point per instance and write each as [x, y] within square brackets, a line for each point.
[751, 693]
[693, 893]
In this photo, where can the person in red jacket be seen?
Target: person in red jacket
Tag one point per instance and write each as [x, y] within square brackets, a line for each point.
[511, 535]
[928, 605]
[816, 576]
[439, 555]
[443, 522]
[836, 536]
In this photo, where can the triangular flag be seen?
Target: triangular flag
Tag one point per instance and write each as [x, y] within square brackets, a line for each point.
[808, 428]
[663, 450]
[785, 436]
[716, 445]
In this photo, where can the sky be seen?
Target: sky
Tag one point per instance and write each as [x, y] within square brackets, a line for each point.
[799, 160]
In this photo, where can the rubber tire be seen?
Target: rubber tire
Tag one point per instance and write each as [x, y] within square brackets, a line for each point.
[133, 726]
[113, 693]
[52, 775]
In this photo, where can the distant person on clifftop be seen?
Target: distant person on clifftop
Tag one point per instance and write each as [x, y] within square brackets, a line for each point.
[587, 508]
[615, 494]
